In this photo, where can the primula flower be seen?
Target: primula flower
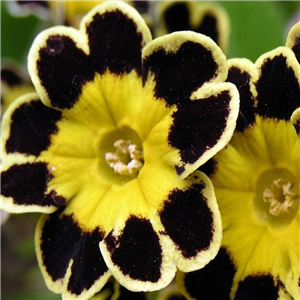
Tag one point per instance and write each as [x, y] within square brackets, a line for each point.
[256, 180]
[206, 18]
[108, 150]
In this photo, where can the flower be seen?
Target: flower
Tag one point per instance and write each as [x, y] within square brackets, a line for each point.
[256, 180]
[108, 150]
[206, 18]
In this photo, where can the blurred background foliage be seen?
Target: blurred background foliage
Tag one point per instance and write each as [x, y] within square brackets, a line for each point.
[256, 27]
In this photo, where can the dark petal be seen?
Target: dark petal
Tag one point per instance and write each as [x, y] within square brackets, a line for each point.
[115, 43]
[214, 281]
[59, 236]
[27, 185]
[209, 167]
[62, 240]
[188, 220]
[198, 125]
[176, 17]
[142, 6]
[63, 68]
[33, 3]
[278, 89]
[260, 287]
[32, 125]
[242, 81]
[179, 74]
[208, 27]
[10, 77]
[88, 263]
[137, 251]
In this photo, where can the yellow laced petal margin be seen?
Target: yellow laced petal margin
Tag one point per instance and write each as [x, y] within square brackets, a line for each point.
[197, 12]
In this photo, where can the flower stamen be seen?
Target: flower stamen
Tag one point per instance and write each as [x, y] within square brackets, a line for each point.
[280, 196]
[127, 159]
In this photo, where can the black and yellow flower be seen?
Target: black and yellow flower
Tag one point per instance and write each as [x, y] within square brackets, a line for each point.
[108, 150]
[256, 180]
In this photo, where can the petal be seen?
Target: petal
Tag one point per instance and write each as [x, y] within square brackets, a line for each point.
[135, 256]
[215, 112]
[186, 67]
[191, 219]
[133, 250]
[263, 285]
[202, 284]
[27, 130]
[10, 76]
[206, 18]
[240, 72]
[24, 189]
[62, 59]
[26, 8]
[293, 40]
[278, 84]
[117, 34]
[142, 251]
[31, 126]
[180, 63]
[69, 256]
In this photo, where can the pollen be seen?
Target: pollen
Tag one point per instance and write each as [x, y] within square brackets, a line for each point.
[280, 196]
[128, 158]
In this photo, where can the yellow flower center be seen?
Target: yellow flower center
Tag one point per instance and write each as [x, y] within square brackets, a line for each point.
[277, 197]
[127, 159]
[280, 196]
